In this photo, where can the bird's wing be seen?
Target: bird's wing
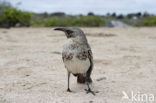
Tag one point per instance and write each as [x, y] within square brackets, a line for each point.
[83, 56]
[90, 56]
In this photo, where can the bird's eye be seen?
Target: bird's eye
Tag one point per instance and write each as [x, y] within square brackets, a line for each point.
[69, 35]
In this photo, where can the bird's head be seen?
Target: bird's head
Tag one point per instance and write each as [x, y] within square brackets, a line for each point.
[72, 32]
[75, 34]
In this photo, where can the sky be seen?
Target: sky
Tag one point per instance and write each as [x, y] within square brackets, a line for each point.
[85, 6]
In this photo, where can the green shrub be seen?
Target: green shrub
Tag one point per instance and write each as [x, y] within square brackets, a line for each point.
[90, 21]
[54, 21]
[14, 17]
[37, 21]
[151, 21]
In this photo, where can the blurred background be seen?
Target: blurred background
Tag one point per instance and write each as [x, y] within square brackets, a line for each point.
[81, 13]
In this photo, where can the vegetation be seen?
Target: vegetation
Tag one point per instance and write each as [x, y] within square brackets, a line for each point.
[10, 17]
[151, 21]
[89, 21]
[13, 17]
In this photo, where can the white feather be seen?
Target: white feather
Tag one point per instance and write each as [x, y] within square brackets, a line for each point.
[77, 66]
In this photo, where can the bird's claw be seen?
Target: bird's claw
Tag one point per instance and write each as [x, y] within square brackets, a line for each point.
[68, 90]
[89, 91]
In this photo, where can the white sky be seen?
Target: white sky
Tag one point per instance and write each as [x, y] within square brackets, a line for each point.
[85, 6]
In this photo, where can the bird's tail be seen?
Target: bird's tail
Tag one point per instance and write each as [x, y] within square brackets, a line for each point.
[82, 79]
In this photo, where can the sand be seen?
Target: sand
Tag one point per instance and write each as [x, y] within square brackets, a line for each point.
[32, 71]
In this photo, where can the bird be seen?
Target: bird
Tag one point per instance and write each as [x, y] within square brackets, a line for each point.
[77, 56]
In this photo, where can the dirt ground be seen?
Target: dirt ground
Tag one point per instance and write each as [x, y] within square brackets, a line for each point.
[32, 71]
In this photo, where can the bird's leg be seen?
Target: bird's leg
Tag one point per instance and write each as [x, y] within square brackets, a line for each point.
[68, 89]
[89, 89]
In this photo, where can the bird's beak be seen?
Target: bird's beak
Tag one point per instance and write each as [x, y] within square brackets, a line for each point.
[67, 31]
[60, 29]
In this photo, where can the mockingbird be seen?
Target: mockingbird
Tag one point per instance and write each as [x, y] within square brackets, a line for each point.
[77, 56]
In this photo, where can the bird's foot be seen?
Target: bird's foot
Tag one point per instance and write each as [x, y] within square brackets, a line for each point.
[68, 90]
[89, 91]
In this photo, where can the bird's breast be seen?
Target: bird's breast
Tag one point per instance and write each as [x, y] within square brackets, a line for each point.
[76, 65]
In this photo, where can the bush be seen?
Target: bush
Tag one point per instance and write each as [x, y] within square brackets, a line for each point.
[14, 17]
[90, 21]
[151, 21]
[55, 21]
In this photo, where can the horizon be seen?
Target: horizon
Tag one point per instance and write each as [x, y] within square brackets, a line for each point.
[101, 7]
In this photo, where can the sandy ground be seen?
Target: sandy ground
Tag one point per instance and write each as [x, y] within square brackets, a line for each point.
[32, 71]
